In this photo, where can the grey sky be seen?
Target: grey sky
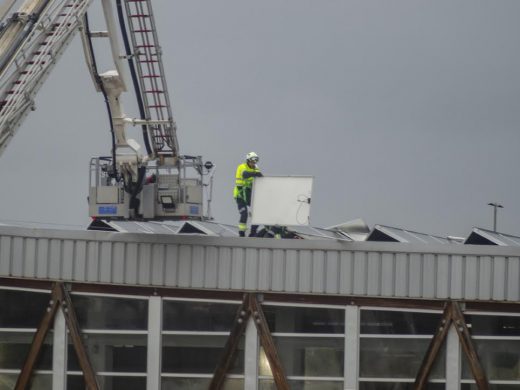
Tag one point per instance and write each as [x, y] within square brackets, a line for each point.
[405, 112]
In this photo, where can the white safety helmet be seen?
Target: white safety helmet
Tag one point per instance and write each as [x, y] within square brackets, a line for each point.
[252, 156]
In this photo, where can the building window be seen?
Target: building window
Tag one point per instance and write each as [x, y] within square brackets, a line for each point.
[194, 334]
[114, 332]
[392, 346]
[496, 338]
[310, 343]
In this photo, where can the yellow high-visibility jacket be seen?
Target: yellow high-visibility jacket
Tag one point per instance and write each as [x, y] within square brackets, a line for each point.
[244, 179]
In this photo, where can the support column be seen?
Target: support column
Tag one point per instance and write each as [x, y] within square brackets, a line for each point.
[251, 357]
[351, 367]
[154, 350]
[59, 353]
[453, 361]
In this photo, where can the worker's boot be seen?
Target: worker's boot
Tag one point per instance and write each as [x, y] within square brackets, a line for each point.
[241, 233]
[252, 233]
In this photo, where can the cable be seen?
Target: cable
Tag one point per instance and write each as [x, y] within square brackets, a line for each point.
[103, 91]
[301, 198]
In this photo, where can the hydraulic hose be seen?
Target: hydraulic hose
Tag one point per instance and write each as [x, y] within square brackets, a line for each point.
[103, 91]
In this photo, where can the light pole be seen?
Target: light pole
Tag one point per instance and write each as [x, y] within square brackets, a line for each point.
[495, 207]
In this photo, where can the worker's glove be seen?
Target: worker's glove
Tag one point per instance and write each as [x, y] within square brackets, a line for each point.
[258, 174]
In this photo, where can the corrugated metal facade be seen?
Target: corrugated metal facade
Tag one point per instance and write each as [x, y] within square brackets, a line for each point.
[294, 266]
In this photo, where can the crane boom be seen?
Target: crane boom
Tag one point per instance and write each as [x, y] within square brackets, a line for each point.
[126, 185]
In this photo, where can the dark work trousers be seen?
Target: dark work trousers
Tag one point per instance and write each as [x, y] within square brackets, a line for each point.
[243, 206]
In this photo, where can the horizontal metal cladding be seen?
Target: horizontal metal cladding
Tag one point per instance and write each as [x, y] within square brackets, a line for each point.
[372, 269]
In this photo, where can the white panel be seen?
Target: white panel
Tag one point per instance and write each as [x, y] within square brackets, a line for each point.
[59, 352]
[351, 347]
[318, 271]
[453, 360]
[153, 351]
[251, 357]
[283, 200]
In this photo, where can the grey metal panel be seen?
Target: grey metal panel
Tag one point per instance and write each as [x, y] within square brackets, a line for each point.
[198, 264]
[332, 273]
[513, 280]
[346, 278]
[251, 269]
[303, 261]
[318, 272]
[29, 261]
[18, 256]
[374, 274]
[484, 281]
[292, 273]
[157, 265]
[237, 268]
[401, 275]
[295, 266]
[470, 276]
[387, 269]
[211, 269]
[264, 269]
[278, 270]
[443, 277]
[415, 272]
[499, 278]
[171, 267]
[429, 275]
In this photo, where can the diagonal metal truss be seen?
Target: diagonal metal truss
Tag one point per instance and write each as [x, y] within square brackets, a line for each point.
[452, 315]
[249, 309]
[60, 298]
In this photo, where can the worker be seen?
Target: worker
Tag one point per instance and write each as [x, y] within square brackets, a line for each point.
[245, 174]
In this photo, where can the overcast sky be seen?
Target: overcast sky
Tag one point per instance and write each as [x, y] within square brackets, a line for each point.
[406, 112]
